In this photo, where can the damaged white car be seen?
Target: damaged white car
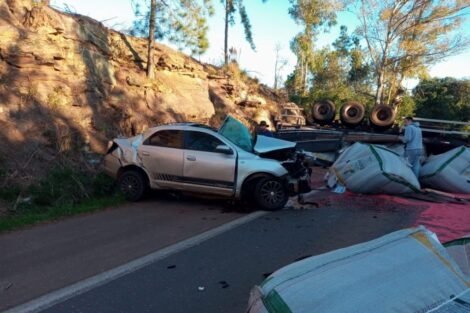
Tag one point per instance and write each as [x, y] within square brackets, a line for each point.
[198, 159]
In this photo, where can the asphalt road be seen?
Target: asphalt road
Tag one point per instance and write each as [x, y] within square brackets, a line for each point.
[47, 257]
[217, 274]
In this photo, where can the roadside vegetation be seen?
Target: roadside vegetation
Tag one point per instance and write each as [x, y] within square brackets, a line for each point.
[395, 41]
[65, 191]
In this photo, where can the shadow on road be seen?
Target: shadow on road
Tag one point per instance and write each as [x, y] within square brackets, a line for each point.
[207, 202]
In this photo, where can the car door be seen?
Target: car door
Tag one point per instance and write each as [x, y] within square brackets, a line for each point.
[205, 169]
[162, 155]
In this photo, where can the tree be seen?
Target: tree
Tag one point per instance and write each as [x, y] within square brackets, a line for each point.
[331, 78]
[443, 98]
[151, 38]
[404, 37]
[302, 46]
[407, 106]
[312, 15]
[230, 7]
[279, 65]
[345, 43]
[182, 22]
[352, 61]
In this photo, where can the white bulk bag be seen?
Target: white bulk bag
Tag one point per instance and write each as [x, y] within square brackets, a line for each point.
[459, 250]
[405, 271]
[365, 168]
[449, 171]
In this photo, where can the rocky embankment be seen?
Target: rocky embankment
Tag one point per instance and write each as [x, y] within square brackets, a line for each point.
[69, 84]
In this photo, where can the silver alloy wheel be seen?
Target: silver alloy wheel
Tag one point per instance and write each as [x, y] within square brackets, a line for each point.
[271, 194]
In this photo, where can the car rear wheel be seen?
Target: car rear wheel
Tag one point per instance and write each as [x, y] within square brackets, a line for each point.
[132, 184]
[270, 194]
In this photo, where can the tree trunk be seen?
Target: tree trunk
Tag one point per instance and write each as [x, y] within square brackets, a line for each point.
[380, 88]
[227, 15]
[151, 39]
[275, 73]
[303, 87]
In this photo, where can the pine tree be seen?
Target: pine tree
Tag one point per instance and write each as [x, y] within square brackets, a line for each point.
[182, 22]
[230, 7]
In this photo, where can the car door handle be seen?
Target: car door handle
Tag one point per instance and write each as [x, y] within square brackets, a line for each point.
[145, 153]
[191, 158]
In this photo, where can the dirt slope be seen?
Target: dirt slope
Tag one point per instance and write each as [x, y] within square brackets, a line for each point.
[68, 84]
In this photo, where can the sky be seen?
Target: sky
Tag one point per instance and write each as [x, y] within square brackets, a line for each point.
[271, 25]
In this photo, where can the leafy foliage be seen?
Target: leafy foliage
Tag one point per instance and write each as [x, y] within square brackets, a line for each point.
[404, 37]
[313, 16]
[407, 107]
[443, 98]
[339, 75]
[183, 22]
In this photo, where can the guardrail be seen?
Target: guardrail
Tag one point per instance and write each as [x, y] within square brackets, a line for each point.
[442, 126]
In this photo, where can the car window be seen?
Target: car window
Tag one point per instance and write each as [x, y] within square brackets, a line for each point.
[237, 133]
[166, 138]
[200, 141]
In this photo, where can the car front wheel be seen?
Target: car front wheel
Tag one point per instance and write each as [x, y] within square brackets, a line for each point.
[132, 185]
[271, 194]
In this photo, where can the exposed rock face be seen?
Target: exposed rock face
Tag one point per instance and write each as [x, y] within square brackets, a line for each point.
[69, 84]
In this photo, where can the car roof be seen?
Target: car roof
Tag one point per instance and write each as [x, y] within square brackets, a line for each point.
[189, 124]
[180, 125]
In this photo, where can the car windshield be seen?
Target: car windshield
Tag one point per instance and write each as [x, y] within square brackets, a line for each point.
[237, 133]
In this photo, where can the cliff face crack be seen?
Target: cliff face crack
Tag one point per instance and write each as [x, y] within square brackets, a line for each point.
[88, 44]
[11, 64]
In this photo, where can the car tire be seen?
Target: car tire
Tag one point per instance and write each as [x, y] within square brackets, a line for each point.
[382, 116]
[132, 185]
[323, 112]
[352, 113]
[270, 194]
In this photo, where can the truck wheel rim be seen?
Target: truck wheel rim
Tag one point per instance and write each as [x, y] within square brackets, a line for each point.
[352, 112]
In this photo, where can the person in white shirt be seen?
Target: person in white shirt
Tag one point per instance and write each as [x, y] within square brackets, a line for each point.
[413, 140]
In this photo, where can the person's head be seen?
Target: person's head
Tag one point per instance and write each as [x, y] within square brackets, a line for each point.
[263, 125]
[408, 120]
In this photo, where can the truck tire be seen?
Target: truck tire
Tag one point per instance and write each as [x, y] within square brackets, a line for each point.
[324, 112]
[352, 113]
[270, 194]
[382, 117]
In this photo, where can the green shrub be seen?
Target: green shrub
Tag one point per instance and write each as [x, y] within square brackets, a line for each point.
[61, 186]
[64, 191]
[103, 185]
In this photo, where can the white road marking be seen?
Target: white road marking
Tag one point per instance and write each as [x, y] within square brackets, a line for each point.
[85, 285]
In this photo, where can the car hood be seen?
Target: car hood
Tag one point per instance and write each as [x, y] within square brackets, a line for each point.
[240, 135]
[266, 144]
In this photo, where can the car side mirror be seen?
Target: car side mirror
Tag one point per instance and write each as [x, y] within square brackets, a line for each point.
[224, 149]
